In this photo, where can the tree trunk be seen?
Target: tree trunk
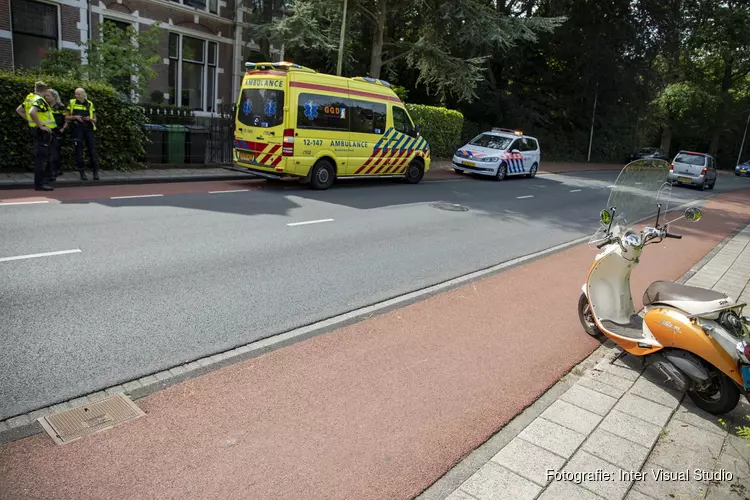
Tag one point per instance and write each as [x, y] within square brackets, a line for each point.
[726, 86]
[666, 138]
[376, 55]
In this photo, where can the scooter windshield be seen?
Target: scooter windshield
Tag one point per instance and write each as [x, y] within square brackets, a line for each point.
[636, 195]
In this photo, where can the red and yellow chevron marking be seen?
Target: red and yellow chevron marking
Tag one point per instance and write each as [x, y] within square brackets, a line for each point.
[266, 155]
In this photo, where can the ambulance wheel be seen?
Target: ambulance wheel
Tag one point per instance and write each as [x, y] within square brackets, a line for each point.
[502, 171]
[587, 320]
[532, 172]
[414, 172]
[323, 175]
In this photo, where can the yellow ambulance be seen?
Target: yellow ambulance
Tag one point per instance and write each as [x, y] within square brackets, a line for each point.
[292, 121]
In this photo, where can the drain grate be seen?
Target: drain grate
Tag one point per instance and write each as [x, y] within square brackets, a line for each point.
[74, 424]
[451, 207]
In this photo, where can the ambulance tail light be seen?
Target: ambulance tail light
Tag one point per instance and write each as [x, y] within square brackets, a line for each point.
[287, 149]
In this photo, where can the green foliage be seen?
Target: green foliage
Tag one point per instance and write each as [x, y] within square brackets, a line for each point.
[120, 136]
[119, 55]
[401, 92]
[156, 97]
[64, 63]
[122, 58]
[440, 127]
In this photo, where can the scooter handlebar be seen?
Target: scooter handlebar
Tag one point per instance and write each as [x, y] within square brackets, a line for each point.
[604, 243]
[675, 236]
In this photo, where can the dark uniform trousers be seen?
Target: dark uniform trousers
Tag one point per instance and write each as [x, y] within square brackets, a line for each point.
[42, 150]
[84, 136]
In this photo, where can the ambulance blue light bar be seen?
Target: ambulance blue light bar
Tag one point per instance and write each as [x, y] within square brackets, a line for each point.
[251, 66]
[372, 80]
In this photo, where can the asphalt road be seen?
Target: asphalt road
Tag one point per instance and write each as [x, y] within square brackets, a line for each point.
[161, 281]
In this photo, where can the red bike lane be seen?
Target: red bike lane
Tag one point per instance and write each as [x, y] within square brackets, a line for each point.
[378, 409]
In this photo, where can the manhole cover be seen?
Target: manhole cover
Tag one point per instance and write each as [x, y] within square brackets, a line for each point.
[451, 207]
[70, 425]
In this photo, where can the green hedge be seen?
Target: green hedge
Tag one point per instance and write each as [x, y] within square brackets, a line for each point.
[440, 126]
[120, 136]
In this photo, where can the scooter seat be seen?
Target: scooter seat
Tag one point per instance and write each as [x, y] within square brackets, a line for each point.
[681, 296]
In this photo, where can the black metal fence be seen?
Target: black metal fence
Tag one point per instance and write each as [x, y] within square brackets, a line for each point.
[178, 137]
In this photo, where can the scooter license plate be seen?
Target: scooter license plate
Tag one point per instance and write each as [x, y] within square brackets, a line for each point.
[745, 370]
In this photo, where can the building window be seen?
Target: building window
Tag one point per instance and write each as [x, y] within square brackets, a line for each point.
[35, 31]
[323, 112]
[211, 6]
[121, 25]
[192, 72]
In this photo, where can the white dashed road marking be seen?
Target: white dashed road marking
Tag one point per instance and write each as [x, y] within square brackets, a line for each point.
[135, 196]
[229, 191]
[23, 202]
[35, 255]
[309, 222]
[522, 197]
[575, 190]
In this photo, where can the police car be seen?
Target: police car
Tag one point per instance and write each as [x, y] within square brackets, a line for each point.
[499, 153]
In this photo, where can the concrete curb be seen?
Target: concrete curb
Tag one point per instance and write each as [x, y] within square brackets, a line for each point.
[138, 180]
[26, 425]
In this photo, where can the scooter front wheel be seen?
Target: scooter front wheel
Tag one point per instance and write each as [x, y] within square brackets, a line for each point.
[586, 317]
[720, 397]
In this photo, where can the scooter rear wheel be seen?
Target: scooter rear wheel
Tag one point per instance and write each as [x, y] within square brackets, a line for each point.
[587, 319]
[720, 397]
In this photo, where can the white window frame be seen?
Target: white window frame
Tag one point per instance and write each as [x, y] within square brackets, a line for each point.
[58, 42]
[206, 10]
[207, 44]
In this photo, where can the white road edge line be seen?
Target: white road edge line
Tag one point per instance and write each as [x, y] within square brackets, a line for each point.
[575, 190]
[23, 202]
[229, 191]
[135, 196]
[35, 255]
[522, 197]
[309, 222]
[611, 186]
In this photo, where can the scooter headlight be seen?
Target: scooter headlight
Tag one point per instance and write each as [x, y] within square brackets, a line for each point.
[633, 239]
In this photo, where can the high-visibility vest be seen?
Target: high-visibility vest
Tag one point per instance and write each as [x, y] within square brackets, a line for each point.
[27, 105]
[85, 108]
[44, 112]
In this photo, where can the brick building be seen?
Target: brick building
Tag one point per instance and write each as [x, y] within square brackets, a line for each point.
[203, 48]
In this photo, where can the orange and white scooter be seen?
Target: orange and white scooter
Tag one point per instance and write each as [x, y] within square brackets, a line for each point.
[695, 337]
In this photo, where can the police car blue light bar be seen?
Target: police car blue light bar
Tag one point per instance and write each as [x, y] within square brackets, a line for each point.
[507, 131]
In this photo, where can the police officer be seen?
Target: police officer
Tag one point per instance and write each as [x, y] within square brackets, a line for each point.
[59, 112]
[83, 117]
[24, 110]
[41, 114]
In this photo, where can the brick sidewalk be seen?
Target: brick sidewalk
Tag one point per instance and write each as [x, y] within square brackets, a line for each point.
[618, 418]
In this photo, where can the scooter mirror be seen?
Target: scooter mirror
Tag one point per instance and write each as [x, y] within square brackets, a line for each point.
[606, 217]
[693, 214]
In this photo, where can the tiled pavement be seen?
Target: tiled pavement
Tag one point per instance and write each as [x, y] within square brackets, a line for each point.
[618, 420]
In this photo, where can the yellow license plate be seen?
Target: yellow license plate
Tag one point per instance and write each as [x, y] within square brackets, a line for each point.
[686, 179]
[743, 171]
[470, 164]
[247, 157]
